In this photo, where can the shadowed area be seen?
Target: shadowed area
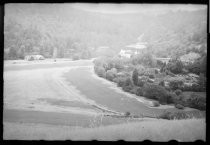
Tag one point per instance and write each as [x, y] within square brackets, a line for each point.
[102, 94]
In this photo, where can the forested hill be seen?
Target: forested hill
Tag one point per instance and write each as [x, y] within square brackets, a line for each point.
[35, 28]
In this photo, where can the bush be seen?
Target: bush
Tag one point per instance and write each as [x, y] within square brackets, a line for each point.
[140, 83]
[135, 77]
[179, 106]
[176, 84]
[202, 82]
[127, 88]
[145, 59]
[100, 71]
[126, 81]
[121, 81]
[127, 113]
[111, 74]
[140, 69]
[174, 115]
[139, 91]
[157, 92]
[178, 92]
[172, 97]
[198, 66]
[156, 71]
[155, 103]
[116, 80]
[134, 90]
[175, 66]
[194, 87]
[101, 62]
[151, 76]
[162, 83]
[197, 101]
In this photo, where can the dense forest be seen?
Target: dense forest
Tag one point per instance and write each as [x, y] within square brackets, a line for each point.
[41, 28]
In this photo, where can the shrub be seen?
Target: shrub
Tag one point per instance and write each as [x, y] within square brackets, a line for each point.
[134, 90]
[197, 101]
[139, 91]
[115, 62]
[171, 97]
[174, 115]
[157, 92]
[135, 77]
[151, 76]
[100, 71]
[116, 80]
[125, 81]
[140, 69]
[177, 92]
[140, 83]
[156, 71]
[127, 114]
[179, 106]
[162, 83]
[194, 87]
[175, 66]
[111, 74]
[145, 59]
[176, 84]
[121, 81]
[198, 66]
[202, 82]
[128, 82]
[155, 103]
[101, 62]
[127, 88]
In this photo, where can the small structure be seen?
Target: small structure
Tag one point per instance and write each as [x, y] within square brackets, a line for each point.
[163, 60]
[133, 49]
[34, 57]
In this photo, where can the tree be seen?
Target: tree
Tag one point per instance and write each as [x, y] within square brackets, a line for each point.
[175, 66]
[135, 77]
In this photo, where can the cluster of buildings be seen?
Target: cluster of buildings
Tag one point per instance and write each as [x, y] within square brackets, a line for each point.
[34, 57]
[133, 49]
[138, 48]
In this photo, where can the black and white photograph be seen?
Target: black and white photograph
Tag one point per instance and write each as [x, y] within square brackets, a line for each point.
[104, 71]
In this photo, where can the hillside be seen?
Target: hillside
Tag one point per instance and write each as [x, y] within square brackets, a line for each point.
[35, 28]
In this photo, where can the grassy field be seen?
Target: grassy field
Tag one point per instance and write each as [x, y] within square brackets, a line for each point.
[103, 94]
[154, 130]
[38, 106]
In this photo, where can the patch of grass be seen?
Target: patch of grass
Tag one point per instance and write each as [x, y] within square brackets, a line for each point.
[178, 115]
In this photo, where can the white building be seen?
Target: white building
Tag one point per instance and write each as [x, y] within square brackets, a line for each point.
[133, 49]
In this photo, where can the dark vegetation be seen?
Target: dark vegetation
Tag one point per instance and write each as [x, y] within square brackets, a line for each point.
[181, 115]
[165, 83]
[79, 34]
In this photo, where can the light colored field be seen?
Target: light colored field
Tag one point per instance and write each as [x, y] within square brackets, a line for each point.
[151, 129]
[27, 87]
[24, 88]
